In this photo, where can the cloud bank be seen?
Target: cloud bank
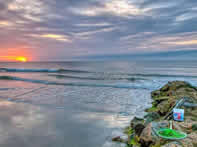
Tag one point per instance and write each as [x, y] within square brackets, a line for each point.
[63, 30]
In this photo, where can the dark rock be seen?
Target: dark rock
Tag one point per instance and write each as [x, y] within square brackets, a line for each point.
[152, 116]
[146, 138]
[194, 127]
[116, 138]
[119, 139]
[136, 121]
[138, 129]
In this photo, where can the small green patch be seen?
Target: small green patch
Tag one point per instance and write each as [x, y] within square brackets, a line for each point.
[128, 131]
[152, 109]
[134, 141]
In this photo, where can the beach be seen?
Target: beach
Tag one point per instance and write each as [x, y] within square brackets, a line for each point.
[80, 104]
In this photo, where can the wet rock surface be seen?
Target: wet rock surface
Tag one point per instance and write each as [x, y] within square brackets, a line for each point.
[176, 94]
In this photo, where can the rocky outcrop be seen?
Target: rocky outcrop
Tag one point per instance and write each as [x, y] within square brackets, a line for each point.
[166, 97]
[141, 132]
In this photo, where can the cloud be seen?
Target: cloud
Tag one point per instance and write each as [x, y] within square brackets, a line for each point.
[187, 42]
[5, 24]
[94, 32]
[104, 24]
[75, 28]
[122, 8]
[30, 7]
[186, 16]
[57, 37]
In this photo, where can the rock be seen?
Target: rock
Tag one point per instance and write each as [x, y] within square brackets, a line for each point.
[176, 89]
[176, 93]
[165, 106]
[155, 93]
[149, 136]
[138, 129]
[119, 139]
[146, 136]
[189, 105]
[172, 144]
[136, 121]
[166, 97]
[190, 141]
[187, 124]
[116, 138]
[152, 116]
[193, 137]
[194, 127]
[187, 142]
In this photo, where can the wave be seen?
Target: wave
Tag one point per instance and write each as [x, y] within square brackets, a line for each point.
[41, 70]
[126, 86]
[133, 77]
[6, 89]
[95, 78]
[163, 75]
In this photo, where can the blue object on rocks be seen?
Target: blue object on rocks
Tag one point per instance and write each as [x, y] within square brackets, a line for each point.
[178, 114]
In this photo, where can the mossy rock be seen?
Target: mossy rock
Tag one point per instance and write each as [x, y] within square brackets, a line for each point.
[176, 89]
[128, 130]
[165, 106]
[136, 121]
[152, 109]
[194, 127]
[152, 116]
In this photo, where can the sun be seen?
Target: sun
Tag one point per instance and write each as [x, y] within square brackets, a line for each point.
[21, 59]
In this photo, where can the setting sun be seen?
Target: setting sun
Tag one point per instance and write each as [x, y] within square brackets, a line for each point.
[21, 59]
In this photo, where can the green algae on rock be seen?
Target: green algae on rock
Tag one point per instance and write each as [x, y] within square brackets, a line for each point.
[142, 132]
[165, 98]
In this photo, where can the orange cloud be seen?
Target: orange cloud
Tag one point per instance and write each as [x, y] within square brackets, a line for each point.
[5, 24]
[189, 42]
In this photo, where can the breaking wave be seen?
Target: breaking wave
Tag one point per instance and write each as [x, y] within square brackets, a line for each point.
[136, 76]
[41, 70]
[97, 78]
[127, 86]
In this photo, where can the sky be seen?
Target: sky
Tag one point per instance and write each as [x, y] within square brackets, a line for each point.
[60, 30]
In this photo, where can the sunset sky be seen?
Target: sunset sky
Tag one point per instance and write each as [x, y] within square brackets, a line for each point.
[58, 30]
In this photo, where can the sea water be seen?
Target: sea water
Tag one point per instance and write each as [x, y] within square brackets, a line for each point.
[79, 104]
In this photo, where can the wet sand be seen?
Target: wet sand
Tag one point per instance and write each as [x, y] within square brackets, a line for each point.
[56, 116]
[33, 126]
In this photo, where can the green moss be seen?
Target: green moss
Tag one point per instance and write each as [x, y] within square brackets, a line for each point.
[128, 131]
[195, 144]
[154, 103]
[152, 109]
[134, 141]
[194, 118]
[194, 127]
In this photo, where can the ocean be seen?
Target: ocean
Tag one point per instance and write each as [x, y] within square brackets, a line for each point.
[79, 104]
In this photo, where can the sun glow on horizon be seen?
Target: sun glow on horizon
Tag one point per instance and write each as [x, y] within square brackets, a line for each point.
[15, 58]
[21, 59]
